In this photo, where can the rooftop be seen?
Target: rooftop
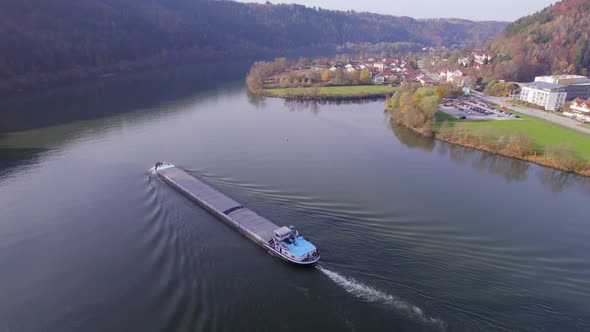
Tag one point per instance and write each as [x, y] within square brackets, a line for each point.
[299, 246]
[282, 231]
[581, 102]
[544, 86]
[564, 76]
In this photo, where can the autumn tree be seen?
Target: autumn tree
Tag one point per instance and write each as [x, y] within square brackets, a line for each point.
[365, 76]
[326, 75]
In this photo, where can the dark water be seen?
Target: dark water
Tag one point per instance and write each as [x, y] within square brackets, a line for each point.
[415, 235]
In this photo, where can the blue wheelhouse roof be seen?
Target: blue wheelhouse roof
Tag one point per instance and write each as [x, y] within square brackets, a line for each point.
[299, 247]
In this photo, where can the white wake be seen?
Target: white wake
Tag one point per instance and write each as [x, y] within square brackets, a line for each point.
[372, 295]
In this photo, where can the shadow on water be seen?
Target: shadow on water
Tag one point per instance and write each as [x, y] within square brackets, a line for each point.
[114, 95]
[65, 113]
[14, 157]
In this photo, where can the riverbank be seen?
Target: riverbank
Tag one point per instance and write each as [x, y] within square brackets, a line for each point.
[541, 160]
[470, 134]
[332, 93]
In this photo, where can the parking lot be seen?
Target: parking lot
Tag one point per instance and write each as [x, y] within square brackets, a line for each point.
[475, 109]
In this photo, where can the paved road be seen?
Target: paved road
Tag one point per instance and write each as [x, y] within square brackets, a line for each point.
[565, 122]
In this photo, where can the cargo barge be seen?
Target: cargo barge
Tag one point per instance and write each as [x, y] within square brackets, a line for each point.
[283, 242]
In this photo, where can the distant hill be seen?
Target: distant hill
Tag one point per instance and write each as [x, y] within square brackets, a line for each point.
[41, 36]
[553, 40]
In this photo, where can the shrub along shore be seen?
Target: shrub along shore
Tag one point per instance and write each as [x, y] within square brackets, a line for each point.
[351, 92]
[528, 139]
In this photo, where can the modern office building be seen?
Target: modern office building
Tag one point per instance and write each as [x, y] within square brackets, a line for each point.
[576, 86]
[549, 95]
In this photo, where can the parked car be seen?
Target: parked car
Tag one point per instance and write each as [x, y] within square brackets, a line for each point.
[463, 117]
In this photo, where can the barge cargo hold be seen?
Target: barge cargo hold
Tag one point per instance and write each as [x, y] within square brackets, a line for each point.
[283, 242]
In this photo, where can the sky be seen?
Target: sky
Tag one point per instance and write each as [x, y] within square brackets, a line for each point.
[479, 10]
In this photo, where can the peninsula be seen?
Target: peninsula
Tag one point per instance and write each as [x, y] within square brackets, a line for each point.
[340, 78]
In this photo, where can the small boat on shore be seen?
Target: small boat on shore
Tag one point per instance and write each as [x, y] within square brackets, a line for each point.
[283, 242]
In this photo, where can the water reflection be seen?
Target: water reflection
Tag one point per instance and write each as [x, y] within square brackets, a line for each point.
[255, 99]
[558, 181]
[510, 169]
[114, 95]
[314, 106]
[411, 139]
[62, 113]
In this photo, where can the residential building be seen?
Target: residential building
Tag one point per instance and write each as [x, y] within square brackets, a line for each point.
[576, 86]
[379, 78]
[548, 95]
[379, 65]
[351, 67]
[463, 61]
[482, 57]
[579, 110]
[336, 67]
[451, 75]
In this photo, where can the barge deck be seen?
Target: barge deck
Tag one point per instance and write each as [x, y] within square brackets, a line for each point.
[257, 228]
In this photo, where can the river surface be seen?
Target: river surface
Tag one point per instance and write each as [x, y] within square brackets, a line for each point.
[415, 235]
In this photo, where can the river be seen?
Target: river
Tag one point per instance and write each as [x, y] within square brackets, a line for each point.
[415, 234]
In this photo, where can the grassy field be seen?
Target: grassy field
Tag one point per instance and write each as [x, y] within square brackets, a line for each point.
[333, 91]
[544, 133]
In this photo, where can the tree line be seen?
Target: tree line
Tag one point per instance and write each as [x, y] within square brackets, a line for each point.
[45, 37]
[415, 106]
[555, 40]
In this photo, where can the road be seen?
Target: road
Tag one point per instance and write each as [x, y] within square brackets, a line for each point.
[559, 120]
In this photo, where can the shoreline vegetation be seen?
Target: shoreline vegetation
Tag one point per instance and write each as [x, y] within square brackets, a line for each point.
[528, 139]
[304, 80]
[331, 93]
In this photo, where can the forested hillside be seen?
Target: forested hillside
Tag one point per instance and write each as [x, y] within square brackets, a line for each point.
[554, 40]
[40, 36]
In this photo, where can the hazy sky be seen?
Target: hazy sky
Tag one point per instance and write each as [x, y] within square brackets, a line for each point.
[502, 10]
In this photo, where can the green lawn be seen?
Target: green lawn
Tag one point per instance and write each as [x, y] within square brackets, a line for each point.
[333, 91]
[544, 133]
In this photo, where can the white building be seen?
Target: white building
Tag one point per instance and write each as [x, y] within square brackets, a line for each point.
[451, 75]
[350, 68]
[579, 110]
[482, 57]
[576, 86]
[550, 96]
[379, 65]
[379, 78]
[463, 61]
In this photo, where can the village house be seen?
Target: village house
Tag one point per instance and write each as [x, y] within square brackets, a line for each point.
[335, 67]
[463, 61]
[351, 68]
[482, 57]
[579, 110]
[379, 78]
[451, 75]
[379, 65]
